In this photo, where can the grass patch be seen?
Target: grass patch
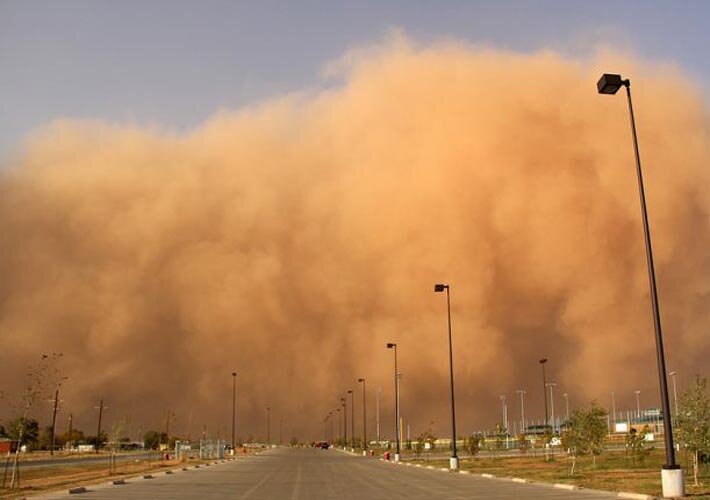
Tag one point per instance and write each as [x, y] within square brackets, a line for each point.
[613, 472]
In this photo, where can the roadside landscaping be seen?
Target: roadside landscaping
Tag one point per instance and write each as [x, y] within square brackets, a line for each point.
[613, 472]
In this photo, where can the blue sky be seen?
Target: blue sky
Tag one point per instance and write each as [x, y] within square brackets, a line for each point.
[174, 63]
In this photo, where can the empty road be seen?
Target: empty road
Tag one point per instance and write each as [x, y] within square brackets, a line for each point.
[314, 474]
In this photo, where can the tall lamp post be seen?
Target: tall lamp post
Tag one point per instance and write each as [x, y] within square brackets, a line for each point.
[268, 426]
[352, 419]
[454, 460]
[566, 396]
[377, 408]
[552, 405]
[638, 404]
[671, 474]
[543, 361]
[364, 418]
[345, 422]
[675, 391]
[340, 424]
[522, 393]
[392, 345]
[234, 407]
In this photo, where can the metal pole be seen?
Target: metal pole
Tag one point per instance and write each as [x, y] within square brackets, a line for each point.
[234, 407]
[613, 405]
[522, 409]
[660, 354]
[268, 425]
[552, 405]
[396, 389]
[352, 418]
[345, 419]
[378, 392]
[638, 405]
[675, 393]
[454, 456]
[544, 388]
[566, 396]
[364, 415]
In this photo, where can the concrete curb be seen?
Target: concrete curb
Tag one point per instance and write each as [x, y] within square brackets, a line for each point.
[148, 476]
[489, 476]
[464, 472]
[636, 496]
[519, 480]
[119, 481]
[78, 489]
[564, 486]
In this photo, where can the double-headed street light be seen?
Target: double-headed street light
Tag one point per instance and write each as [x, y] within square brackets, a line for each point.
[364, 418]
[671, 474]
[392, 345]
[454, 460]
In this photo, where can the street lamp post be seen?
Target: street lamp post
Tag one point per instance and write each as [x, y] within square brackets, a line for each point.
[340, 424]
[392, 345]
[352, 421]
[345, 422]
[268, 426]
[613, 406]
[543, 361]
[671, 474]
[522, 409]
[638, 404]
[566, 406]
[454, 460]
[504, 408]
[377, 408]
[234, 407]
[364, 418]
[675, 392]
[552, 404]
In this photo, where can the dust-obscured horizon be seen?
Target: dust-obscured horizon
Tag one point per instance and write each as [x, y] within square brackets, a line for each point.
[290, 240]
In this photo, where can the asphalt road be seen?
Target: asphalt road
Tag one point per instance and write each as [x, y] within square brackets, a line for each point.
[313, 474]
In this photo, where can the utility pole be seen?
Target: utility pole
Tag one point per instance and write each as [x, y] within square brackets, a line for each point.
[70, 440]
[54, 420]
[101, 409]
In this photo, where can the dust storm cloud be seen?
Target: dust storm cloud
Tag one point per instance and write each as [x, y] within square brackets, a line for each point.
[290, 240]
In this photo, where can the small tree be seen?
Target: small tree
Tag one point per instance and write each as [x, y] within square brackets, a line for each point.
[426, 440]
[585, 433]
[693, 422]
[473, 444]
[25, 430]
[152, 439]
[523, 444]
[501, 434]
[636, 445]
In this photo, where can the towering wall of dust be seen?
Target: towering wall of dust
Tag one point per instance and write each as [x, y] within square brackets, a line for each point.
[291, 240]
